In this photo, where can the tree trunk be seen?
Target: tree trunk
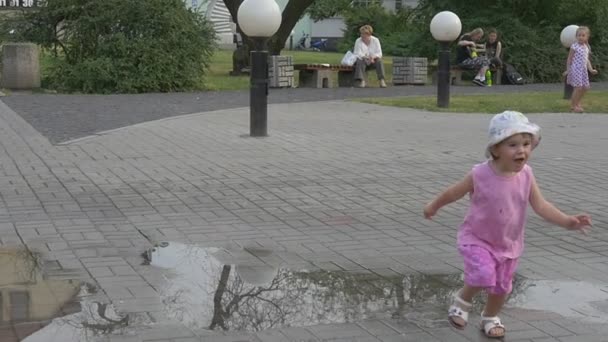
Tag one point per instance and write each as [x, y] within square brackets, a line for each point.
[218, 312]
[291, 15]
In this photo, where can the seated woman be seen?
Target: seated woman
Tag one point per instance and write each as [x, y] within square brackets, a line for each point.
[369, 54]
[494, 48]
[467, 58]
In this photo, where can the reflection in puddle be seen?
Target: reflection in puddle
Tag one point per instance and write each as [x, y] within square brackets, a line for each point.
[28, 301]
[35, 308]
[212, 288]
[573, 299]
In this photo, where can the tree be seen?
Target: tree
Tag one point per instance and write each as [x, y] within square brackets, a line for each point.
[324, 9]
[294, 10]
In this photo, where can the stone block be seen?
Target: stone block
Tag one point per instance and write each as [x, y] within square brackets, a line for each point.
[20, 66]
[316, 78]
[280, 71]
[410, 70]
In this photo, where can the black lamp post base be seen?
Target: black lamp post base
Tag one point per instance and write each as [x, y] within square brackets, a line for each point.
[443, 75]
[258, 98]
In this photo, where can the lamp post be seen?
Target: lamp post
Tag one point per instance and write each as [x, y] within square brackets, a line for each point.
[259, 19]
[568, 37]
[445, 28]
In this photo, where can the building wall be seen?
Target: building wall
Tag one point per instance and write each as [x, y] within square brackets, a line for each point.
[216, 11]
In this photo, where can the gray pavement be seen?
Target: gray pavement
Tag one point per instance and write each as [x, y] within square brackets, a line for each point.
[64, 117]
[337, 186]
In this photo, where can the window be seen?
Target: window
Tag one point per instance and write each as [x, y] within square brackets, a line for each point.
[20, 305]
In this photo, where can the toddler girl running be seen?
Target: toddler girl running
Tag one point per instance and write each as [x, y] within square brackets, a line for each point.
[578, 66]
[490, 239]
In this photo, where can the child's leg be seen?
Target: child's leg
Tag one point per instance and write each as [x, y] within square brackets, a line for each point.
[479, 273]
[573, 98]
[468, 292]
[490, 323]
[577, 97]
[583, 91]
[463, 300]
[497, 295]
[494, 304]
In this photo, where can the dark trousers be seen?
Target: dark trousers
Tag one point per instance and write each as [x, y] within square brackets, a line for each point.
[361, 67]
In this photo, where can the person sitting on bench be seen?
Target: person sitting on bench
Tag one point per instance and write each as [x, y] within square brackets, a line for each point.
[466, 56]
[369, 54]
[494, 48]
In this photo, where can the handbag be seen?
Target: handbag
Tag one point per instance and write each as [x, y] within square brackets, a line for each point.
[349, 59]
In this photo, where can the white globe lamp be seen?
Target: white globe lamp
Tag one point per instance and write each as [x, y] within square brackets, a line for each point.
[445, 28]
[259, 18]
[568, 35]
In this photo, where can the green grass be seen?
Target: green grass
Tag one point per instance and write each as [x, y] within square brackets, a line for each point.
[540, 102]
[218, 77]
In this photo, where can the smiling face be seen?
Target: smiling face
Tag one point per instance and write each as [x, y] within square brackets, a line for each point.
[492, 37]
[582, 36]
[512, 154]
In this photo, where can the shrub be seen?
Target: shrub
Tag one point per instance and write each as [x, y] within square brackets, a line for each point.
[119, 45]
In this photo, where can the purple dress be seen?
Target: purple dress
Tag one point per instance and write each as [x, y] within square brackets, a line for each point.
[578, 76]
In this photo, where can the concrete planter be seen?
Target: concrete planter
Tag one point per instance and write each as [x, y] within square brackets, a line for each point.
[20, 66]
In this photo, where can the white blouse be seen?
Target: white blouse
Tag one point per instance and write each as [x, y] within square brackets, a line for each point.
[372, 50]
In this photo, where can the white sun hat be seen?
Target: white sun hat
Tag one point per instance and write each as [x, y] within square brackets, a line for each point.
[507, 124]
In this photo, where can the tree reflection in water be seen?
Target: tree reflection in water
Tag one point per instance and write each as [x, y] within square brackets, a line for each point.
[223, 298]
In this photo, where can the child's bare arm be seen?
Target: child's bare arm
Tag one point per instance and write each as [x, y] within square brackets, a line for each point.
[549, 212]
[451, 194]
[466, 43]
[498, 49]
[590, 67]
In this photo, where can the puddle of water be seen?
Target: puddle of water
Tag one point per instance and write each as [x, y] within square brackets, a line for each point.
[34, 308]
[219, 289]
[205, 290]
[28, 301]
[573, 299]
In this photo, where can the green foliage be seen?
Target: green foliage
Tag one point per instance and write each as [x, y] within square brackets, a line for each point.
[119, 45]
[323, 9]
[530, 29]
[395, 30]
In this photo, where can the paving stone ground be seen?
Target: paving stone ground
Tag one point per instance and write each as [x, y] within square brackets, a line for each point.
[63, 117]
[335, 184]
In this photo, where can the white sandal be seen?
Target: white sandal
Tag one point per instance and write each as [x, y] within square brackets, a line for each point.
[489, 323]
[459, 308]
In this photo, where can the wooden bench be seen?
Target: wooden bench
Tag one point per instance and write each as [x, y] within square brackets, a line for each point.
[320, 75]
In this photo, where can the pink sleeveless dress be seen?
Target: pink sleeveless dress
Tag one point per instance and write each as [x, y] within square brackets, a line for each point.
[497, 215]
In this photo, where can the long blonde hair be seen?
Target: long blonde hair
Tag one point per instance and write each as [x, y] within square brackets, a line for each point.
[477, 31]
